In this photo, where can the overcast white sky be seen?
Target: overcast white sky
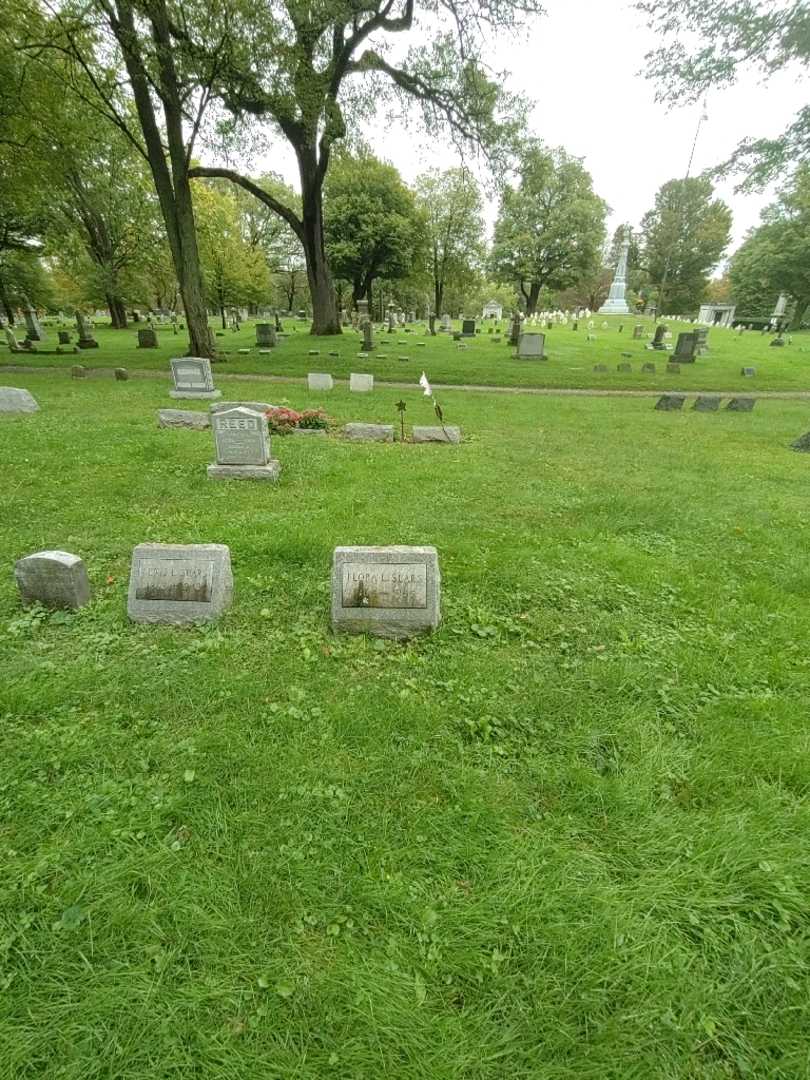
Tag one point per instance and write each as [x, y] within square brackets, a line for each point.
[580, 64]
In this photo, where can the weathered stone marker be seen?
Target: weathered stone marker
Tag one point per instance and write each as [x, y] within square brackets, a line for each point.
[638, 331]
[147, 338]
[265, 335]
[179, 583]
[531, 346]
[802, 444]
[172, 418]
[242, 446]
[673, 369]
[64, 337]
[447, 434]
[600, 367]
[707, 403]
[670, 402]
[468, 327]
[658, 337]
[625, 367]
[391, 592]
[55, 579]
[318, 380]
[121, 374]
[361, 384]
[748, 372]
[15, 400]
[193, 378]
[254, 406]
[648, 368]
[741, 404]
[685, 348]
[86, 339]
[78, 371]
[369, 432]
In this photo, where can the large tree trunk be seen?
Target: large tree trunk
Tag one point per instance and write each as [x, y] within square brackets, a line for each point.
[325, 318]
[531, 297]
[4, 300]
[118, 312]
[798, 313]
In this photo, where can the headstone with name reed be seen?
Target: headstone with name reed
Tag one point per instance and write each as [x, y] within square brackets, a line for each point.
[179, 583]
[147, 338]
[54, 579]
[390, 592]
[242, 446]
[193, 378]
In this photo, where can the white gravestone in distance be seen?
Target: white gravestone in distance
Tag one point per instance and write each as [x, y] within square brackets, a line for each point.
[317, 380]
[361, 384]
[531, 346]
[55, 579]
[14, 400]
[391, 592]
[179, 583]
[242, 446]
[192, 378]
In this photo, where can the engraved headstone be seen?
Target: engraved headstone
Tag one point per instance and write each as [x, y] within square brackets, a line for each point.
[192, 378]
[55, 579]
[468, 327]
[446, 322]
[391, 592]
[265, 335]
[242, 446]
[658, 336]
[147, 338]
[707, 403]
[318, 380]
[685, 348]
[624, 366]
[748, 372]
[179, 583]
[64, 337]
[531, 346]
[701, 340]
[600, 367]
[673, 369]
[86, 339]
[32, 327]
[360, 383]
[802, 444]
[368, 343]
[670, 402]
[14, 400]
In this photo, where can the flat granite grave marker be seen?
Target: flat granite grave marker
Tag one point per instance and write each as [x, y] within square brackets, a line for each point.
[369, 432]
[318, 380]
[670, 402]
[447, 434]
[391, 592]
[179, 583]
[531, 346]
[673, 369]
[242, 446]
[172, 418]
[55, 579]
[707, 403]
[15, 400]
[361, 384]
[741, 404]
[254, 406]
[193, 378]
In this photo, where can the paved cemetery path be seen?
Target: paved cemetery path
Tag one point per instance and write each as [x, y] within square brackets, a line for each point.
[546, 391]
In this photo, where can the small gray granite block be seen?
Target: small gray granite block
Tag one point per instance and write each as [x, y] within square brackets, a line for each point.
[170, 418]
[361, 384]
[707, 403]
[55, 579]
[369, 432]
[447, 434]
[670, 402]
[270, 471]
[741, 404]
[179, 583]
[391, 592]
[15, 400]
[318, 380]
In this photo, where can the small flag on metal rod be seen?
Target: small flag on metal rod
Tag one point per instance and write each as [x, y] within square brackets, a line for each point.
[423, 382]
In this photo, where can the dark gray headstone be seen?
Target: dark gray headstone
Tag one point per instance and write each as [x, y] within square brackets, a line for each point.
[748, 372]
[707, 403]
[670, 402]
[685, 348]
[600, 367]
[648, 369]
[147, 338]
[468, 327]
[64, 337]
[741, 404]
[658, 337]
[624, 367]
[802, 444]
[121, 374]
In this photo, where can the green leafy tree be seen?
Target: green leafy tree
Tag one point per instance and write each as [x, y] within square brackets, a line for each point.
[313, 71]
[373, 229]
[453, 210]
[550, 229]
[707, 45]
[775, 257]
[682, 239]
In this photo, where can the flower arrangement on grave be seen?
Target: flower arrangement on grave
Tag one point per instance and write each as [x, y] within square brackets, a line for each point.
[282, 420]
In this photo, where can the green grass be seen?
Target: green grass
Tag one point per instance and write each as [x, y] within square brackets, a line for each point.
[570, 364]
[566, 836]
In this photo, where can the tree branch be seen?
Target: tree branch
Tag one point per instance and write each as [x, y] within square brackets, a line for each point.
[245, 182]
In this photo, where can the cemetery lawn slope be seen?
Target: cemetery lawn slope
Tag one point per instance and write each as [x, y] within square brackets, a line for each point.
[565, 836]
[402, 356]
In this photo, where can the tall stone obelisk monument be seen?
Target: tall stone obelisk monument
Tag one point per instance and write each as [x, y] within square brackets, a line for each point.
[616, 304]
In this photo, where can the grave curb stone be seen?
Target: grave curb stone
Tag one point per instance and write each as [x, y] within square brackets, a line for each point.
[369, 432]
[179, 612]
[185, 418]
[449, 434]
[254, 406]
[270, 471]
[55, 579]
[387, 622]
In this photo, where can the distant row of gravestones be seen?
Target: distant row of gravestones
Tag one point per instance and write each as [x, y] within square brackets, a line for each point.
[391, 592]
[705, 403]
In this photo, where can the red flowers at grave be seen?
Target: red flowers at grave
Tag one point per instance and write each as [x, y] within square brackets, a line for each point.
[281, 420]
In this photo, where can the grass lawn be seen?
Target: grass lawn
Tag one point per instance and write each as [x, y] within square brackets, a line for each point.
[570, 364]
[566, 836]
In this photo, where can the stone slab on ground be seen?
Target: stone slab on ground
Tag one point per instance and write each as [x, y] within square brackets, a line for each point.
[670, 402]
[369, 432]
[270, 471]
[55, 579]
[254, 406]
[707, 403]
[447, 434]
[741, 404]
[390, 592]
[15, 400]
[179, 583]
[186, 418]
